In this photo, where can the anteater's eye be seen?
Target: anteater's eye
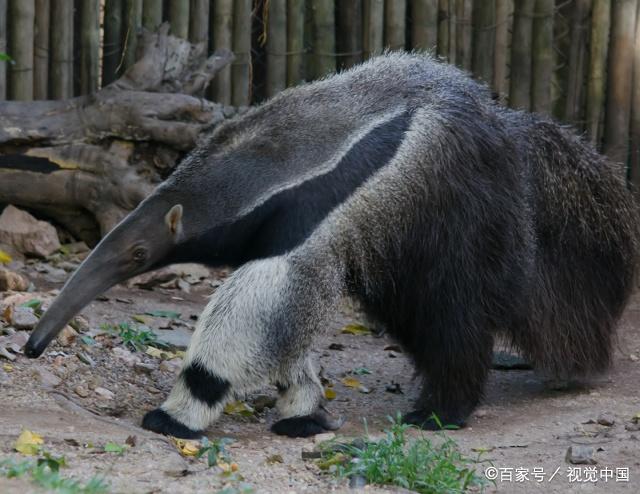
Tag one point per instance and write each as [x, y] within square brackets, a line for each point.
[140, 254]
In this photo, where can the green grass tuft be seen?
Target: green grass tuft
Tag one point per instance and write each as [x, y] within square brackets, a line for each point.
[420, 465]
[136, 338]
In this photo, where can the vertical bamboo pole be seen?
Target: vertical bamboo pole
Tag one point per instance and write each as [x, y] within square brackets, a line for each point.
[504, 14]
[619, 80]
[132, 23]
[394, 24]
[577, 55]
[112, 47]
[484, 39]
[542, 57]
[295, 41]
[151, 14]
[89, 46]
[596, 80]
[349, 32]
[41, 51]
[3, 48]
[635, 111]
[323, 37]
[222, 29]
[443, 29]
[424, 25]
[520, 87]
[199, 21]
[463, 33]
[453, 32]
[61, 49]
[241, 68]
[373, 27]
[22, 14]
[179, 18]
[276, 47]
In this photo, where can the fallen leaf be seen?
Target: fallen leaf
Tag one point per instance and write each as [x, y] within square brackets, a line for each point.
[4, 257]
[356, 330]
[361, 371]
[330, 393]
[7, 367]
[186, 447]
[142, 319]
[239, 408]
[351, 382]
[28, 443]
[162, 354]
[483, 449]
[114, 448]
[131, 441]
[33, 303]
[272, 459]
[164, 313]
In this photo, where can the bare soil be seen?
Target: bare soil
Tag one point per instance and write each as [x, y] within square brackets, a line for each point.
[523, 422]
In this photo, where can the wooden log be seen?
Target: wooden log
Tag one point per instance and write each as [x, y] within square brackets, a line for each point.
[276, 78]
[222, 39]
[112, 47]
[635, 112]
[597, 76]
[323, 40]
[443, 29]
[3, 48]
[542, 56]
[151, 14]
[520, 82]
[179, 18]
[199, 21]
[573, 112]
[349, 33]
[373, 27]
[619, 80]
[424, 24]
[89, 46]
[22, 14]
[484, 39]
[41, 50]
[295, 41]
[394, 24]
[504, 17]
[241, 68]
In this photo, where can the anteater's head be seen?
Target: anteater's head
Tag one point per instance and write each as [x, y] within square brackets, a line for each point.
[143, 241]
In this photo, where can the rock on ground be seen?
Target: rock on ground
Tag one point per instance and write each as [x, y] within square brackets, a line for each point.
[10, 280]
[26, 234]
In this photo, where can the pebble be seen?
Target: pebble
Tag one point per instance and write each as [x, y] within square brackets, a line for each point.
[633, 357]
[580, 455]
[10, 280]
[144, 368]
[48, 378]
[81, 391]
[357, 482]
[126, 356]
[23, 318]
[324, 437]
[606, 419]
[67, 336]
[83, 357]
[174, 365]
[104, 393]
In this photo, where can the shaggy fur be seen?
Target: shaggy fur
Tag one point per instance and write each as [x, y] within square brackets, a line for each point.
[485, 221]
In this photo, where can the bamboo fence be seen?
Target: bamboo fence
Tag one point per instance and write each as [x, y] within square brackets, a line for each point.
[577, 60]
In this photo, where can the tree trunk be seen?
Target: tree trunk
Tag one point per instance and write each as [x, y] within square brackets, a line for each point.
[373, 27]
[90, 46]
[151, 14]
[22, 14]
[349, 33]
[97, 156]
[504, 15]
[443, 29]
[112, 48]
[276, 79]
[394, 24]
[623, 26]
[463, 34]
[40, 51]
[133, 23]
[323, 61]
[596, 79]
[424, 25]
[222, 39]
[179, 18]
[199, 21]
[576, 70]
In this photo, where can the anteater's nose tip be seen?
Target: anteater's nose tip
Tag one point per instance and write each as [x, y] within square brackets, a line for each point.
[33, 350]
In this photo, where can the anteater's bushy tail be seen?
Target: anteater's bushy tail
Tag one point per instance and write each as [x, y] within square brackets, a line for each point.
[587, 236]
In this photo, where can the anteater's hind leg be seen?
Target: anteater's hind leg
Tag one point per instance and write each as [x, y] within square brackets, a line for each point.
[454, 375]
[300, 402]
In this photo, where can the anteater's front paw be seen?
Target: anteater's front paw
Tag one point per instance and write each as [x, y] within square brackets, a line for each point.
[425, 420]
[161, 422]
[307, 425]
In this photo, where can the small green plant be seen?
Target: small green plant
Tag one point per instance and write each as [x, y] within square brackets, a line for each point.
[419, 465]
[116, 448]
[215, 451]
[5, 58]
[136, 338]
[45, 473]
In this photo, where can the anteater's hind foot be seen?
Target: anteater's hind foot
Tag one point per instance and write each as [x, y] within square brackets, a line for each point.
[307, 425]
[161, 422]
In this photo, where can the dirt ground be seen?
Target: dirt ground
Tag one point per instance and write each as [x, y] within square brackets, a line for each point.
[523, 423]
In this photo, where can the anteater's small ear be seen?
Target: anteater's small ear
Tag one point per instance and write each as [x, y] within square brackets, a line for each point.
[173, 219]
